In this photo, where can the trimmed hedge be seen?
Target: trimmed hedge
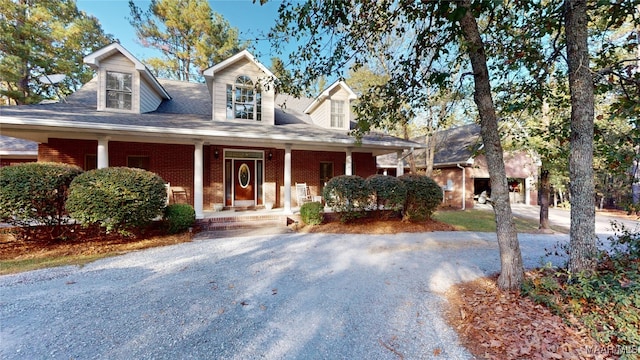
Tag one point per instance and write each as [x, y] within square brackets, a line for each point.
[311, 213]
[117, 198]
[35, 193]
[179, 217]
[349, 196]
[424, 196]
[390, 192]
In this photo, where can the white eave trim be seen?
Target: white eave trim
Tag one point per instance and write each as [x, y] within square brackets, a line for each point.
[244, 54]
[325, 94]
[20, 153]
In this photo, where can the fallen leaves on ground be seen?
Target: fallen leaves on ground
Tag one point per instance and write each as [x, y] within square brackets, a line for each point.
[373, 226]
[495, 324]
[12, 249]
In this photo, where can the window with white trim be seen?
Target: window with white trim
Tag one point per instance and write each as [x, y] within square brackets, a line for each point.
[118, 90]
[337, 113]
[244, 100]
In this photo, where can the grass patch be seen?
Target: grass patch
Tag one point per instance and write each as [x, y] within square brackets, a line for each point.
[484, 221]
[18, 256]
[16, 266]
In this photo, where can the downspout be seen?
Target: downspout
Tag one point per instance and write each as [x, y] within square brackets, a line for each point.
[464, 188]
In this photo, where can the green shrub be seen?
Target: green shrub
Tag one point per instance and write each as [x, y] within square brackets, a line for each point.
[349, 196]
[311, 213]
[625, 244]
[423, 197]
[179, 217]
[35, 193]
[606, 301]
[389, 191]
[117, 198]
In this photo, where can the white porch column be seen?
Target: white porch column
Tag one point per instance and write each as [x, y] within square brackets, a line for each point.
[198, 182]
[287, 179]
[348, 163]
[528, 184]
[103, 152]
[400, 166]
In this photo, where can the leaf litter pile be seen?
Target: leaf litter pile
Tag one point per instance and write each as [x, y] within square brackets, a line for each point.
[496, 324]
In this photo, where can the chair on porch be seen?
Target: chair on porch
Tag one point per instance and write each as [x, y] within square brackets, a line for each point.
[179, 193]
[302, 193]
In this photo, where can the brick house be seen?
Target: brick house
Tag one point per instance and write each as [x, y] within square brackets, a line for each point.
[460, 167]
[231, 141]
[16, 151]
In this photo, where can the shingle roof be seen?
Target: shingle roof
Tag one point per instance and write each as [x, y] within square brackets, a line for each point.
[188, 113]
[10, 144]
[453, 146]
[457, 145]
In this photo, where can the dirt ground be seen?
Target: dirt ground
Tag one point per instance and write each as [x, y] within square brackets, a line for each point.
[491, 323]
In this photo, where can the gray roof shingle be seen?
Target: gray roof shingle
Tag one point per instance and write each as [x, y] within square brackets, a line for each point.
[453, 146]
[189, 112]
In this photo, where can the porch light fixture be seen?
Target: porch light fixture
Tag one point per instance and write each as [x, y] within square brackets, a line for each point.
[270, 155]
[216, 153]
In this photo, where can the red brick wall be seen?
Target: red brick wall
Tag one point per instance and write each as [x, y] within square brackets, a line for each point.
[305, 167]
[174, 163]
[453, 199]
[8, 161]
[67, 151]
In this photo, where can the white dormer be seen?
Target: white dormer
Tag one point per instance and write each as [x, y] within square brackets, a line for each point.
[124, 83]
[332, 108]
[242, 89]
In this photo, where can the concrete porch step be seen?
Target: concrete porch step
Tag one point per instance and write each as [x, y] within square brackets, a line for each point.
[222, 223]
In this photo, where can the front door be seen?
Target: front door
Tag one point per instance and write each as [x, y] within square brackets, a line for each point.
[243, 177]
[244, 184]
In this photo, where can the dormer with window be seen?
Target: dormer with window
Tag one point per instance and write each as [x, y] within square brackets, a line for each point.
[242, 90]
[124, 83]
[244, 100]
[332, 109]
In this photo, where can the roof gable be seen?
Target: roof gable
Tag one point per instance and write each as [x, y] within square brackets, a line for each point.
[243, 55]
[94, 59]
[327, 94]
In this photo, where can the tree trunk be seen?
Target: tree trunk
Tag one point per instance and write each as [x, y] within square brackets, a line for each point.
[545, 194]
[582, 245]
[429, 153]
[412, 159]
[511, 268]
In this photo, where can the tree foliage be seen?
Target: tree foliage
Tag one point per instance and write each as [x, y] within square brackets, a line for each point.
[45, 37]
[190, 35]
[349, 33]
[518, 61]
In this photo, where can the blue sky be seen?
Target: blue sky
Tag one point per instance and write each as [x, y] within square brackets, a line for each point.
[250, 19]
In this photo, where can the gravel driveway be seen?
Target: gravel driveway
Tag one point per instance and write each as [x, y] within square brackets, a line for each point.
[291, 296]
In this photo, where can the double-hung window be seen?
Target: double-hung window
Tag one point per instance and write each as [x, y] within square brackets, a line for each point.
[337, 114]
[244, 101]
[118, 90]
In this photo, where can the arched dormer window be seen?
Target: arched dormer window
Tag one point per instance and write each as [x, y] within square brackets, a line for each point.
[244, 100]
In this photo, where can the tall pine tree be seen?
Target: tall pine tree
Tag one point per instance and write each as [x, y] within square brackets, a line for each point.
[44, 37]
[190, 35]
